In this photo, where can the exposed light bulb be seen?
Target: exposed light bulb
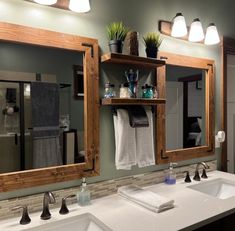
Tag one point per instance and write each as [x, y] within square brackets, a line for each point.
[46, 2]
[196, 32]
[179, 28]
[79, 6]
[212, 35]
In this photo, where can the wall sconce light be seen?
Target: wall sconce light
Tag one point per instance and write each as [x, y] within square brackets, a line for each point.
[79, 6]
[46, 2]
[177, 28]
[196, 32]
[212, 35]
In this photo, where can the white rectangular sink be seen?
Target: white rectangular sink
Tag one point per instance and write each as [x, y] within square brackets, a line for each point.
[219, 188]
[83, 222]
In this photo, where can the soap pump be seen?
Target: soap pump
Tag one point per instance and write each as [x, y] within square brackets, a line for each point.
[84, 195]
[171, 175]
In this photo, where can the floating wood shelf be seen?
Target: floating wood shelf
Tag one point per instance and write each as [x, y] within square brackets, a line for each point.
[131, 60]
[132, 101]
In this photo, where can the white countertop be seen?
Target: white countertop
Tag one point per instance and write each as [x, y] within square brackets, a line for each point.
[192, 209]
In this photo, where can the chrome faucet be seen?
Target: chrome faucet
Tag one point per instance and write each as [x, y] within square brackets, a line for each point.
[197, 177]
[48, 198]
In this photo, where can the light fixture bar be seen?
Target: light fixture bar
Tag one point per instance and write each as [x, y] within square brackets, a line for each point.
[165, 28]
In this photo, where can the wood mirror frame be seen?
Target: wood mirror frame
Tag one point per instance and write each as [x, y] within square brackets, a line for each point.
[89, 47]
[164, 156]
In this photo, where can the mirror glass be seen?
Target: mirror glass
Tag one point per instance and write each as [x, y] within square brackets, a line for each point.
[41, 120]
[185, 107]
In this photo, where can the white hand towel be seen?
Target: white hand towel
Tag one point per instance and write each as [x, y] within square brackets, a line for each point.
[144, 143]
[147, 199]
[125, 154]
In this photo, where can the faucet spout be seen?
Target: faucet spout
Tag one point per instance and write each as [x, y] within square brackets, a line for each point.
[203, 164]
[48, 198]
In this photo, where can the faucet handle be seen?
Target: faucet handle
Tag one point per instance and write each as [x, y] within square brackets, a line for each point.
[25, 219]
[64, 209]
[196, 176]
[187, 178]
[204, 174]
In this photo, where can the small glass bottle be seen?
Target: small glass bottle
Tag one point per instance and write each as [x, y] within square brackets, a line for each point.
[109, 90]
[147, 91]
[84, 195]
[171, 175]
[155, 92]
[124, 90]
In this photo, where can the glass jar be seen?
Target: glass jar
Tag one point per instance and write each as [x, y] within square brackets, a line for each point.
[109, 90]
[124, 91]
[155, 92]
[147, 91]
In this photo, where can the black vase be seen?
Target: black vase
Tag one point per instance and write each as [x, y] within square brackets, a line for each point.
[151, 52]
[115, 46]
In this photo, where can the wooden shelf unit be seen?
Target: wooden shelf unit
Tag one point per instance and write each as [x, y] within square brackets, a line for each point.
[132, 101]
[131, 60]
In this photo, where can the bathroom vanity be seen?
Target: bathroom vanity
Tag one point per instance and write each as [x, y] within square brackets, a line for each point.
[193, 209]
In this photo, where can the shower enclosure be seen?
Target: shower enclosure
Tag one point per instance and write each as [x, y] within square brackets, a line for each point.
[15, 121]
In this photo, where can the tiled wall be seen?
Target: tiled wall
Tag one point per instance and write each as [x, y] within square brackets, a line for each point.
[100, 189]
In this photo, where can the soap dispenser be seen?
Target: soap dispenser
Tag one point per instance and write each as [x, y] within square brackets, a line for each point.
[171, 175]
[84, 195]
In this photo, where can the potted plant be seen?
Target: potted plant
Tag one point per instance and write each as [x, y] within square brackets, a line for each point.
[152, 41]
[116, 33]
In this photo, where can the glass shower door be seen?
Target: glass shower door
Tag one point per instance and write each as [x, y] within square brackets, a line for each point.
[10, 127]
[28, 157]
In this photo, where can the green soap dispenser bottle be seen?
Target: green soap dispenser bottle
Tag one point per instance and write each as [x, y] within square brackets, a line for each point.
[84, 195]
[171, 175]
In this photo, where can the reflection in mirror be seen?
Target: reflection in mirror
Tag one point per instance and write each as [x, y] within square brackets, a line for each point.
[185, 107]
[187, 119]
[41, 122]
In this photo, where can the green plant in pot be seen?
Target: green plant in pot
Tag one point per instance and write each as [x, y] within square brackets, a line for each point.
[116, 33]
[152, 41]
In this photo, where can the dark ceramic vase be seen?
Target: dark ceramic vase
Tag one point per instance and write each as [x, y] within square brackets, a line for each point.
[151, 52]
[115, 46]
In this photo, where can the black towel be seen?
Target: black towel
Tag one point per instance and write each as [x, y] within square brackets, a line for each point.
[138, 117]
[11, 95]
[45, 109]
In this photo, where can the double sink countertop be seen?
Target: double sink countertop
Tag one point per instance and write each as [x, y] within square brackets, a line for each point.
[192, 209]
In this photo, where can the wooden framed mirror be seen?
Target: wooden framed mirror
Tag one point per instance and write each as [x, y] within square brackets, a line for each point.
[186, 122]
[25, 53]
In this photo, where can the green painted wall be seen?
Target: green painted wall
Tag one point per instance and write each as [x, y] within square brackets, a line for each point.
[142, 16]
